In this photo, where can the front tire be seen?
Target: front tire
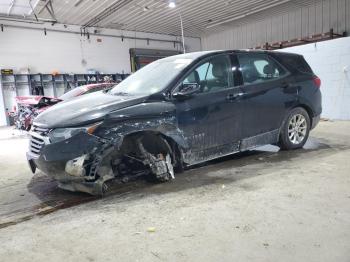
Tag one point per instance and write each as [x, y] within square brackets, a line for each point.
[295, 129]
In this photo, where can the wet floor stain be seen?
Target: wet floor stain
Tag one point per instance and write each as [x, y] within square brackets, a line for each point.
[220, 171]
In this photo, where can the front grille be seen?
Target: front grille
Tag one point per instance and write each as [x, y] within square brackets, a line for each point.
[35, 145]
[40, 130]
[38, 137]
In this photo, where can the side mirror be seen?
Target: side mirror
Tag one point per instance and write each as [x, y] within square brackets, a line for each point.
[186, 90]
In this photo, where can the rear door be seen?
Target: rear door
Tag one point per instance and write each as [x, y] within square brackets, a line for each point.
[268, 93]
[209, 119]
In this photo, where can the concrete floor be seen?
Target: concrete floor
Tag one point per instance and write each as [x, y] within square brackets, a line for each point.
[262, 205]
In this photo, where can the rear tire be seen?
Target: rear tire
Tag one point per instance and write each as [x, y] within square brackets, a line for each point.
[295, 129]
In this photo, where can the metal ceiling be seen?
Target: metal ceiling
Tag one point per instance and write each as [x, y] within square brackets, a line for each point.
[17, 7]
[199, 16]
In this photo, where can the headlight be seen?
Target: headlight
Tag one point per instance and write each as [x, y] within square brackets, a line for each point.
[60, 134]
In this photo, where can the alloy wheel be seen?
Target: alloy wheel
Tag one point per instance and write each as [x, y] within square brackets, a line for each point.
[297, 128]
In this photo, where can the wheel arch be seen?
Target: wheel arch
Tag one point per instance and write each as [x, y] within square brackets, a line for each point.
[308, 110]
[303, 106]
[167, 140]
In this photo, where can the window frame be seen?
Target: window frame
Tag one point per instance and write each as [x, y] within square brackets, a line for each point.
[271, 58]
[202, 62]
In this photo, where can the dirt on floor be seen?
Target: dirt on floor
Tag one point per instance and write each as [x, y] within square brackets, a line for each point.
[261, 205]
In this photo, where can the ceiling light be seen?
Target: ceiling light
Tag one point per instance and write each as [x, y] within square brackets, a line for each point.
[172, 4]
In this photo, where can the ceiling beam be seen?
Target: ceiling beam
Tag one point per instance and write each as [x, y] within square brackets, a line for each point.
[11, 6]
[48, 6]
[234, 18]
[117, 5]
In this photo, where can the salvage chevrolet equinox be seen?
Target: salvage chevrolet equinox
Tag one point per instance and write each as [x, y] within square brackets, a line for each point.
[174, 113]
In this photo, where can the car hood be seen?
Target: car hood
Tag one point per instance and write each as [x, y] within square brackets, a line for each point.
[85, 109]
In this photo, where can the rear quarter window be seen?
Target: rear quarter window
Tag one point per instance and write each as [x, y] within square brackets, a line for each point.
[259, 67]
[296, 62]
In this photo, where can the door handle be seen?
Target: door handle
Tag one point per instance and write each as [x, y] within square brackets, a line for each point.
[231, 97]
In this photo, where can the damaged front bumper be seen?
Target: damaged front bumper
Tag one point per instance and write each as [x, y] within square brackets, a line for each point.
[70, 161]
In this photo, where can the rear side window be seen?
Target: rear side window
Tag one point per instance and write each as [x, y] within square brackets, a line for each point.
[296, 62]
[259, 68]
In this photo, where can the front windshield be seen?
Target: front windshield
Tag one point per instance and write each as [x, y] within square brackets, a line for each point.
[152, 78]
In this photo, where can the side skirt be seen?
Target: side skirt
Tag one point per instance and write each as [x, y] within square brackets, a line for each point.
[192, 158]
[270, 137]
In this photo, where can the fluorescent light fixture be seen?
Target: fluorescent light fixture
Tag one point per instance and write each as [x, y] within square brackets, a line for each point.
[172, 4]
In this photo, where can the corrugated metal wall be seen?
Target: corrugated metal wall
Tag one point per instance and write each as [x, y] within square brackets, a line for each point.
[314, 18]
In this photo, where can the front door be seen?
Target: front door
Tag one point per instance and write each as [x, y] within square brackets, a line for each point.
[210, 118]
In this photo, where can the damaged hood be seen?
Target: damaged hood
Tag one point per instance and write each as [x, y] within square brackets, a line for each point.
[33, 100]
[85, 109]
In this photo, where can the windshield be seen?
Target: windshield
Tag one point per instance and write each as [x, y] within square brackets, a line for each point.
[73, 93]
[152, 78]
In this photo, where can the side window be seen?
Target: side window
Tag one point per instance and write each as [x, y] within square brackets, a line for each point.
[198, 75]
[297, 62]
[213, 75]
[258, 68]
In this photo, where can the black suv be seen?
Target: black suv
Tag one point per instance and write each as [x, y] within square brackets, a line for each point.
[176, 112]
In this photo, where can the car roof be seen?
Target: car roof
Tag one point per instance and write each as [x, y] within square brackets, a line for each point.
[197, 55]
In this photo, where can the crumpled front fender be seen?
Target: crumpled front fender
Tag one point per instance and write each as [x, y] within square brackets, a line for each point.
[80, 144]
[166, 126]
[154, 116]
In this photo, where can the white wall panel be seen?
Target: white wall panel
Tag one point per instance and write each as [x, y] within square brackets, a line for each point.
[330, 60]
[341, 15]
[3, 121]
[64, 52]
[319, 17]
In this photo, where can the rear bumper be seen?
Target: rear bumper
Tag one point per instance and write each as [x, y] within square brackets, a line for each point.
[315, 120]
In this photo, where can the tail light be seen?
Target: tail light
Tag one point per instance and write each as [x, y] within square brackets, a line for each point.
[317, 81]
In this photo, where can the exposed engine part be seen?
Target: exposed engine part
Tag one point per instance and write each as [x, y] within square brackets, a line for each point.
[128, 168]
[121, 165]
[98, 188]
[161, 167]
[75, 166]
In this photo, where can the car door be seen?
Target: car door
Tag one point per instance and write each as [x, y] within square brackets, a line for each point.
[209, 118]
[268, 92]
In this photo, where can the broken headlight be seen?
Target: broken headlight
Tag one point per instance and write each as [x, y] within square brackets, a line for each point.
[60, 134]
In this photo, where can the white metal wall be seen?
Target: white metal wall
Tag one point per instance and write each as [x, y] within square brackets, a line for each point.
[64, 51]
[318, 17]
[330, 60]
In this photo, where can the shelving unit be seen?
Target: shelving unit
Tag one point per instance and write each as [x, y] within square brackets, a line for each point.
[46, 84]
